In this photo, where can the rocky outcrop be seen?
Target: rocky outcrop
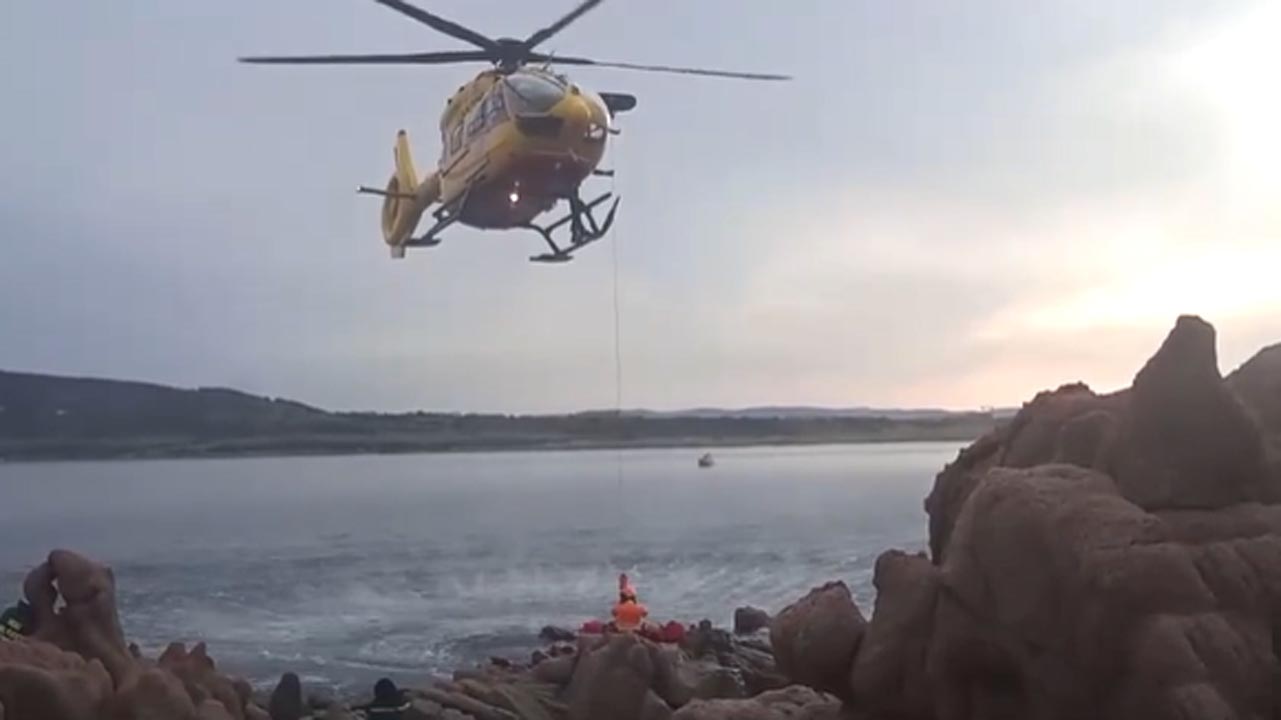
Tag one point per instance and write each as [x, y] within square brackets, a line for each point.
[1179, 438]
[553, 634]
[748, 620]
[616, 679]
[87, 623]
[77, 664]
[286, 700]
[815, 638]
[1186, 441]
[1062, 599]
[1101, 556]
[38, 680]
[889, 674]
[1257, 384]
[680, 679]
[750, 658]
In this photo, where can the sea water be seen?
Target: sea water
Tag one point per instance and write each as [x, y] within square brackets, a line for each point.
[345, 569]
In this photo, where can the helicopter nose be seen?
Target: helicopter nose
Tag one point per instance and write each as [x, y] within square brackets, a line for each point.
[578, 112]
[584, 119]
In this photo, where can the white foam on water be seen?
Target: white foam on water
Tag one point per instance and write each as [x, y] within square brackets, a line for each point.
[434, 562]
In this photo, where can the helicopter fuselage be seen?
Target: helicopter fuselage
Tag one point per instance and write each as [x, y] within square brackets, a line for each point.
[515, 143]
[515, 140]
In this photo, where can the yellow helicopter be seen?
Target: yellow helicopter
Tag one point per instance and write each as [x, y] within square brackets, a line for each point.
[515, 140]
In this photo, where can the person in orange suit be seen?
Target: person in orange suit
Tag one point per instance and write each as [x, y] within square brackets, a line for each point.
[629, 613]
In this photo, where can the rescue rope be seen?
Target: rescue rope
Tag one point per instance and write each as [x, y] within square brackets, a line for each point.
[618, 349]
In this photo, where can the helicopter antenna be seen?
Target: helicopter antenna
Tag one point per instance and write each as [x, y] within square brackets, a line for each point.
[507, 54]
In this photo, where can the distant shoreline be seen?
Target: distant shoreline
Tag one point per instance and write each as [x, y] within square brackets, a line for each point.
[16, 456]
[46, 418]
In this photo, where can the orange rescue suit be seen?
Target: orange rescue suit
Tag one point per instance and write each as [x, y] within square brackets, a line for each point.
[629, 615]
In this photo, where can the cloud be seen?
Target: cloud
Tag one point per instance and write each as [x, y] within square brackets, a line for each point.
[954, 204]
[1064, 251]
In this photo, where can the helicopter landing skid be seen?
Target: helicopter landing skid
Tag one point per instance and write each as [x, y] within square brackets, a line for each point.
[584, 230]
[445, 216]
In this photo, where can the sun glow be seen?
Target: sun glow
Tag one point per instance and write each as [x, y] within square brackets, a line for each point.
[1234, 69]
[1212, 249]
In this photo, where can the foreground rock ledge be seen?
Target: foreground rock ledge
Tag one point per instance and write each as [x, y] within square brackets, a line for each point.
[1101, 556]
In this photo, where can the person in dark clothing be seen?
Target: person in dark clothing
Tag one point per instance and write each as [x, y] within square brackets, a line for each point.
[389, 702]
[17, 621]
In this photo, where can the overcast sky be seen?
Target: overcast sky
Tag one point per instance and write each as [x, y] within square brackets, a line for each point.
[954, 204]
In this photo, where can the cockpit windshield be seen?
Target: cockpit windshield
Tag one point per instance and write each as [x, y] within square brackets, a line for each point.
[531, 93]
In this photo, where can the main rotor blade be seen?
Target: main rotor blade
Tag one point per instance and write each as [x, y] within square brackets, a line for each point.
[657, 68]
[560, 24]
[439, 23]
[431, 58]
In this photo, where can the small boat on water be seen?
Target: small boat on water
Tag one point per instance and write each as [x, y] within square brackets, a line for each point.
[706, 460]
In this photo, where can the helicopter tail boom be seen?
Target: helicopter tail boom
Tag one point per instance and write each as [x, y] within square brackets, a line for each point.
[405, 171]
[405, 199]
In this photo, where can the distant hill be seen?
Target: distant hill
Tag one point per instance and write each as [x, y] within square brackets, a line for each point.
[51, 417]
[805, 411]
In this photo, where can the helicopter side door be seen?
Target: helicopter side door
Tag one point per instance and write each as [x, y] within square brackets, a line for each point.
[471, 140]
[479, 133]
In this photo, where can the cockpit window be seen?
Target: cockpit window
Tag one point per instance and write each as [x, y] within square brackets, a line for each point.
[534, 93]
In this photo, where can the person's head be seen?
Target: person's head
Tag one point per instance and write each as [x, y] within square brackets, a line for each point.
[385, 689]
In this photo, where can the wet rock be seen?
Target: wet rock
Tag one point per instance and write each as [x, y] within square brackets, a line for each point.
[748, 620]
[815, 639]
[706, 639]
[553, 634]
[286, 700]
[890, 674]
[755, 666]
